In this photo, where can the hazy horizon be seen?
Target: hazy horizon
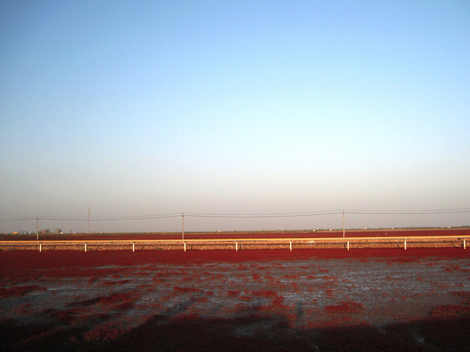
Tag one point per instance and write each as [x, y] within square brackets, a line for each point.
[246, 222]
[233, 107]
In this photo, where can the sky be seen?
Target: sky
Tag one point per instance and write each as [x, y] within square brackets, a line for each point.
[144, 108]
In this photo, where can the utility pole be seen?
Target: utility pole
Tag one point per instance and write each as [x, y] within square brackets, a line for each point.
[182, 231]
[37, 228]
[343, 224]
[88, 221]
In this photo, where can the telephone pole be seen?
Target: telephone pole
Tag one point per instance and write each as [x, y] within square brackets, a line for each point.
[88, 221]
[182, 231]
[343, 224]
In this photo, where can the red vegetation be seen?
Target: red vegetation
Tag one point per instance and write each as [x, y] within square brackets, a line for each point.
[186, 289]
[345, 307]
[114, 283]
[75, 316]
[78, 264]
[20, 290]
[193, 333]
[450, 311]
[463, 294]
[245, 298]
[112, 299]
[241, 306]
[263, 293]
[104, 333]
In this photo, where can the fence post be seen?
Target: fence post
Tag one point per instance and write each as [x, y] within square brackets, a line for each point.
[236, 246]
[348, 245]
[405, 244]
[85, 246]
[184, 246]
[40, 247]
[291, 246]
[133, 247]
[464, 245]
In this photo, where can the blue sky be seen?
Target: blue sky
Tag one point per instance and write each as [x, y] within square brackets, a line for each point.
[151, 107]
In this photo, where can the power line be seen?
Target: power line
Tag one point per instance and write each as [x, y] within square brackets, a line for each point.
[113, 218]
[408, 212]
[18, 219]
[265, 215]
[240, 215]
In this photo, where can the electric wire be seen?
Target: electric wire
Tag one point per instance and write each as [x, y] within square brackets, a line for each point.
[239, 216]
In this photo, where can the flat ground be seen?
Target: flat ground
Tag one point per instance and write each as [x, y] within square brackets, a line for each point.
[260, 300]
[326, 300]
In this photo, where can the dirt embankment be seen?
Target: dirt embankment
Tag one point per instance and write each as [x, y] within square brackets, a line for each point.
[126, 244]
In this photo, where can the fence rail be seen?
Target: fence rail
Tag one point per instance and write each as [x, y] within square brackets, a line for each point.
[239, 243]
